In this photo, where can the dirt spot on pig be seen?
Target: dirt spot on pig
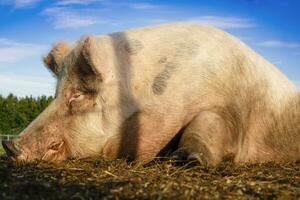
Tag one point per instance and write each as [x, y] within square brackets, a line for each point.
[160, 81]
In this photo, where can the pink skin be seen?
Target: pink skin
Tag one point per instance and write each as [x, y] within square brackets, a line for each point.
[45, 142]
[49, 137]
[52, 153]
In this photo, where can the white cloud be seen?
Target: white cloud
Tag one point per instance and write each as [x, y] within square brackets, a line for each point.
[143, 6]
[279, 44]
[67, 18]
[19, 3]
[5, 41]
[226, 22]
[25, 3]
[78, 2]
[21, 85]
[12, 51]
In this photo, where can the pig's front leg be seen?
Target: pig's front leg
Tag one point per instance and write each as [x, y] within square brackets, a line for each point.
[205, 139]
[142, 136]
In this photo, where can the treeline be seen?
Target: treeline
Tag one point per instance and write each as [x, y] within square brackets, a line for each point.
[16, 113]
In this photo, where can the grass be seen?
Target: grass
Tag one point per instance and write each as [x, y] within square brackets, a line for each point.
[1, 150]
[99, 179]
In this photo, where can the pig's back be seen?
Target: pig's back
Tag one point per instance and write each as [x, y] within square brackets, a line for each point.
[195, 67]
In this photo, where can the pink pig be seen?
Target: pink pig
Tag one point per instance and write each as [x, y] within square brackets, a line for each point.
[128, 94]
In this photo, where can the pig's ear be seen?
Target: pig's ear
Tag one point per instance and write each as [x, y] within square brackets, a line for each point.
[90, 57]
[54, 59]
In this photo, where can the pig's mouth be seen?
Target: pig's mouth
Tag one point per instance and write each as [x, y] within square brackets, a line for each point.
[14, 152]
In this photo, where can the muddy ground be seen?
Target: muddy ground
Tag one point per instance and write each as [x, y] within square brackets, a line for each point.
[98, 179]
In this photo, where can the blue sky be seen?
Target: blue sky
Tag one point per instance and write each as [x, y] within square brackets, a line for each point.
[28, 29]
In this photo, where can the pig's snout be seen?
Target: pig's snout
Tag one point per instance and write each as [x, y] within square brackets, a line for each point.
[11, 149]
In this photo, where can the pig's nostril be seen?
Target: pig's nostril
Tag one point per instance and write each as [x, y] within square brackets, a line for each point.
[10, 148]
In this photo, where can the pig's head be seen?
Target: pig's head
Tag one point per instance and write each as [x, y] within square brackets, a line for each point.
[72, 125]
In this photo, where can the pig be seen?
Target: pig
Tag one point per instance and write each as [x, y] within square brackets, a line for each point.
[128, 94]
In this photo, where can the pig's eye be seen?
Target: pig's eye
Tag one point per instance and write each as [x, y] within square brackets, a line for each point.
[56, 145]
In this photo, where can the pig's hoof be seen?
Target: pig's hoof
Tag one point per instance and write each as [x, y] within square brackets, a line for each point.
[186, 156]
[179, 155]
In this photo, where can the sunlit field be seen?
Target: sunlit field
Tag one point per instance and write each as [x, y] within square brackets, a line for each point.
[99, 179]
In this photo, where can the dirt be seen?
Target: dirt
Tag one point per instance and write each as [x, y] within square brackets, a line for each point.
[99, 179]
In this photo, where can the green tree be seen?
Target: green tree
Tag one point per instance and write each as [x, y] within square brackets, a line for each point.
[16, 113]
